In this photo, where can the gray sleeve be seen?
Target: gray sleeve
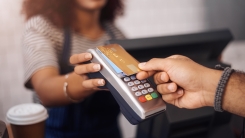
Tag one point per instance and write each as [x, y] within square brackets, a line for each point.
[38, 53]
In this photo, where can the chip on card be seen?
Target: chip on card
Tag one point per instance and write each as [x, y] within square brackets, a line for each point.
[121, 58]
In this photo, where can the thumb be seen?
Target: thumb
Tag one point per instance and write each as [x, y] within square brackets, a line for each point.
[155, 64]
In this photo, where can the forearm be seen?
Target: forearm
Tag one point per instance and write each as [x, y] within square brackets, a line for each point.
[51, 92]
[234, 95]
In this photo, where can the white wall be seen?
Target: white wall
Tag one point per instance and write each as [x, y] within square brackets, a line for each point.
[12, 91]
[143, 18]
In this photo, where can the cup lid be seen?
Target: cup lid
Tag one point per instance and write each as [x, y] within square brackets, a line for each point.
[26, 114]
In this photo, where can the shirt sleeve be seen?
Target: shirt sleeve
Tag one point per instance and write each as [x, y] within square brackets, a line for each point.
[38, 49]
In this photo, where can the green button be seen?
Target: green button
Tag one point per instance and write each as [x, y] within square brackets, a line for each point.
[154, 95]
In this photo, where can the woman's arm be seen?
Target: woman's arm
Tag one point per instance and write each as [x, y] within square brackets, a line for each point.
[40, 44]
[49, 84]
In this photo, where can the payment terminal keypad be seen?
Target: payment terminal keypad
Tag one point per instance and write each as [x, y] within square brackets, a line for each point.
[142, 89]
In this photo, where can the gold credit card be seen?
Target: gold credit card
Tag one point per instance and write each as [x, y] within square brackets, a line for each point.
[121, 58]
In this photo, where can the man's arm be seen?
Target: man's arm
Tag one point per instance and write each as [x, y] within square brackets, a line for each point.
[186, 84]
[234, 94]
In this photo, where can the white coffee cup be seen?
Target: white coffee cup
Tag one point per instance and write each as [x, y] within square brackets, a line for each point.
[27, 120]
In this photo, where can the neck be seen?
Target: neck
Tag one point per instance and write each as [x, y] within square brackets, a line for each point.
[88, 23]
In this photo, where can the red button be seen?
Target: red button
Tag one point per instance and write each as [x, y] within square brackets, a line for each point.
[142, 99]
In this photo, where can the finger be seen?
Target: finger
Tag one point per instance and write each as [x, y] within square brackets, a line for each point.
[144, 74]
[156, 64]
[93, 83]
[167, 88]
[79, 58]
[170, 98]
[160, 64]
[179, 57]
[87, 68]
[176, 56]
[161, 77]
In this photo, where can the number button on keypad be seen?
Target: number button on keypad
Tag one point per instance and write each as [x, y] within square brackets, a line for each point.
[126, 79]
[147, 85]
[133, 77]
[137, 82]
[141, 87]
[138, 94]
[150, 89]
[134, 89]
[130, 84]
[144, 91]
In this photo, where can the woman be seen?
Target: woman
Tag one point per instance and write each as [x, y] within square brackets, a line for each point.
[55, 30]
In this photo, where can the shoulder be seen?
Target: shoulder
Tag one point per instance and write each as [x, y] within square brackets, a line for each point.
[40, 24]
[38, 28]
[115, 30]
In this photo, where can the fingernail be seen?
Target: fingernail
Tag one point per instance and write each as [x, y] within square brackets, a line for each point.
[88, 56]
[162, 77]
[171, 87]
[180, 92]
[142, 64]
[96, 67]
[101, 82]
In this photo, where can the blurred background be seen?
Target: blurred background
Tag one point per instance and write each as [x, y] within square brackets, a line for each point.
[142, 18]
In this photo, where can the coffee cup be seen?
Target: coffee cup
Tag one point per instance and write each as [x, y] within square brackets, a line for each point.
[27, 120]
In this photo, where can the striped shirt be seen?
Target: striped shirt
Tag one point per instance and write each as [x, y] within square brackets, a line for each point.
[43, 43]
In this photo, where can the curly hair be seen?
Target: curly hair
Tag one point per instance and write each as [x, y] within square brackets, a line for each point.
[60, 12]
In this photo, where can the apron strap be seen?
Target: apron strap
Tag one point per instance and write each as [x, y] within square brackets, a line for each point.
[65, 53]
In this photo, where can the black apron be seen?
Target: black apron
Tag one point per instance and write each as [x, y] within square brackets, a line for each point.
[95, 117]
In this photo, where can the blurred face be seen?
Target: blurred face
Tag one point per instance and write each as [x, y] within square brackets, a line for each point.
[91, 5]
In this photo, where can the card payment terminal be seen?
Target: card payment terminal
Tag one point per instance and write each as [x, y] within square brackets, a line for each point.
[138, 99]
